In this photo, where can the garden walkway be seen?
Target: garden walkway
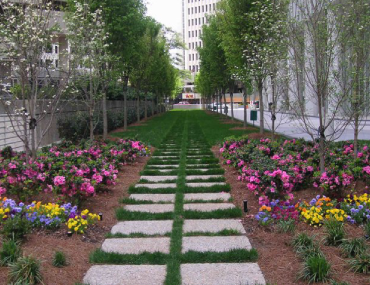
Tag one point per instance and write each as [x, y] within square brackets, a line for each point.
[178, 227]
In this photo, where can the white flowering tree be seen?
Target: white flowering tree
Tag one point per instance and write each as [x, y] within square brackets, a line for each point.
[89, 57]
[317, 83]
[27, 30]
[263, 40]
[355, 42]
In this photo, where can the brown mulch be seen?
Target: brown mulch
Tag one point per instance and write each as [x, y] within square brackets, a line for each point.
[43, 244]
[261, 136]
[277, 259]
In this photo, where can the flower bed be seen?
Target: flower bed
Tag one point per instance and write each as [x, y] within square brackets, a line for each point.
[70, 172]
[275, 170]
[49, 216]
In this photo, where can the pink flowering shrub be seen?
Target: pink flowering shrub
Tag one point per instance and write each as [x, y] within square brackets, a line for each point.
[275, 169]
[71, 172]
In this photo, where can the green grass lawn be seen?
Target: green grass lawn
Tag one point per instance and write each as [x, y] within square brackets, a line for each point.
[154, 130]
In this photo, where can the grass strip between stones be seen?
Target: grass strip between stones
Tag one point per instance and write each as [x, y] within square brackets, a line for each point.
[102, 257]
[124, 215]
[135, 235]
[224, 232]
[233, 256]
[217, 214]
[212, 189]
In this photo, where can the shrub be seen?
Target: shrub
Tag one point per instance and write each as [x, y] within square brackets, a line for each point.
[302, 240]
[9, 252]
[16, 228]
[59, 259]
[26, 270]
[367, 230]
[316, 269]
[361, 263]
[286, 226]
[335, 232]
[353, 247]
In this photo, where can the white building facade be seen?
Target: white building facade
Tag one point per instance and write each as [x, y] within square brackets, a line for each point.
[194, 16]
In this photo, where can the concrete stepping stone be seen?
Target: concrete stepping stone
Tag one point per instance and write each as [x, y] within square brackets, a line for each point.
[205, 177]
[222, 274]
[156, 186]
[212, 226]
[205, 184]
[207, 196]
[143, 227]
[136, 245]
[163, 170]
[153, 197]
[157, 178]
[208, 207]
[215, 244]
[150, 208]
[126, 275]
[199, 165]
[163, 166]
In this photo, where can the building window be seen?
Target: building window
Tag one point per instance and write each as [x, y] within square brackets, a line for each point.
[196, 56]
[193, 45]
[196, 33]
[195, 21]
[188, 11]
[189, 23]
[189, 34]
[192, 33]
[197, 68]
[203, 8]
[189, 57]
[193, 56]
[192, 22]
[189, 67]
[189, 45]
[56, 49]
[56, 63]
[195, 10]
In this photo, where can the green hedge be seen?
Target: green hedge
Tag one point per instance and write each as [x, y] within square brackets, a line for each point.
[75, 127]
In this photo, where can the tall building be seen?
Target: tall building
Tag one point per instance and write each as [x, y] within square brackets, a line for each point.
[194, 16]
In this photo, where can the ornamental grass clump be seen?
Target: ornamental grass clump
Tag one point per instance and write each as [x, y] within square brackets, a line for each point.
[10, 252]
[361, 263]
[26, 270]
[353, 247]
[286, 226]
[335, 232]
[367, 230]
[316, 269]
[59, 259]
[302, 240]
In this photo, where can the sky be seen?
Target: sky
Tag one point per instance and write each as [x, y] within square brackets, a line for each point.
[167, 12]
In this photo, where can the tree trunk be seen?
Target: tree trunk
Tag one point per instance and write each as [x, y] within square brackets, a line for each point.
[245, 108]
[232, 105]
[91, 109]
[125, 103]
[355, 135]
[138, 105]
[91, 122]
[33, 143]
[217, 105]
[105, 115]
[322, 153]
[260, 89]
[145, 107]
[220, 102]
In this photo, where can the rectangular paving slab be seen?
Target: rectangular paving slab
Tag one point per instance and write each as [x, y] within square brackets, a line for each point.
[158, 178]
[207, 196]
[136, 245]
[205, 177]
[150, 208]
[205, 184]
[215, 244]
[208, 207]
[126, 275]
[156, 186]
[143, 227]
[166, 157]
[222, 274]
[212, 226]
[153, 197]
